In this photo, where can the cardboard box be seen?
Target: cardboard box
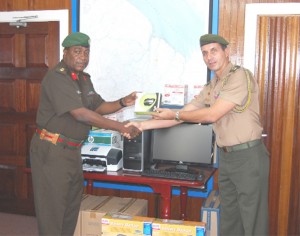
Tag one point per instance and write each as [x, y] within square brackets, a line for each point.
[93, 208]
[165, 227]
[146, 103]
[119, 224]
[87, 202]
[175, 95]
[210, 213]
[104, 137]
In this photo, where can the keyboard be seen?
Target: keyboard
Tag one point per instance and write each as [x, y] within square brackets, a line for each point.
[179, 175]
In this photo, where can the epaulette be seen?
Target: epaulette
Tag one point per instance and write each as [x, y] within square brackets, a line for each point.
[237, 108]
[234, 68]
[61, 70]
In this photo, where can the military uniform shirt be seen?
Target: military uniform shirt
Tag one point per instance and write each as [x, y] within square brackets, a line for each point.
[235, 127]
[61, 93]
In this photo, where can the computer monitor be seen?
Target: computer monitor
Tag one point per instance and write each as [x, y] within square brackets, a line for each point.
[184, 145]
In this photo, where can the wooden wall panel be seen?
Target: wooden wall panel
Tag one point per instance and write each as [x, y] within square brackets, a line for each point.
[278, 49]
[279, 102]
[231, 24]
[6, 58]
[7, 98]
[33, 94]
[8, 146]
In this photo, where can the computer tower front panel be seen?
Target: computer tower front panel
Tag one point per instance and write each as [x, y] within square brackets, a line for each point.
[136, 152]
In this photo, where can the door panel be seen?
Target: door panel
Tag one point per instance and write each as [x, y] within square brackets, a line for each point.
[278, 73]
[26, 53]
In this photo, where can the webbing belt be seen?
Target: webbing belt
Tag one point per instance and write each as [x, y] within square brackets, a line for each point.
[59, 139]
[241, 146]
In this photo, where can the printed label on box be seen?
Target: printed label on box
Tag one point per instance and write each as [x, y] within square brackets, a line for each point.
[104, 138]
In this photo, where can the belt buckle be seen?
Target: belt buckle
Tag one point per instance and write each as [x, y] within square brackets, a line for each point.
[43, 134]
[225, 149]
[54, 138]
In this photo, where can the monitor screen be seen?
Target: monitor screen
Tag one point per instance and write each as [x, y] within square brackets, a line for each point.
[185, 144]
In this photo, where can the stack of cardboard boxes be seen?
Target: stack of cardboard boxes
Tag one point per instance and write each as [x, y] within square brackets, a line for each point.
[94, 208]
[115, 216]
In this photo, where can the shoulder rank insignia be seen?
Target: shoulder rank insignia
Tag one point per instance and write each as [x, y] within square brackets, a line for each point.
[61, 70]
[234, 69]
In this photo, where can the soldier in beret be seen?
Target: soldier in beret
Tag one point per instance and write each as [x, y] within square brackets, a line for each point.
[230, 102]
[69, 106]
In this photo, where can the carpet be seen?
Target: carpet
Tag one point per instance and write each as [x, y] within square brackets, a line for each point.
[15, 225]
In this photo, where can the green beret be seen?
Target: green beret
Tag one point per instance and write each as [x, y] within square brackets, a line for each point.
[212, 38]
[76, 39]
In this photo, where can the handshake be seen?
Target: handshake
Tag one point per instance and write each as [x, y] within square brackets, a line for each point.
[130, 130]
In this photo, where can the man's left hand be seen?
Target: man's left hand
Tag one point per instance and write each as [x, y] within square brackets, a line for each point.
[163, 114]
[132, 132]
[129, 100]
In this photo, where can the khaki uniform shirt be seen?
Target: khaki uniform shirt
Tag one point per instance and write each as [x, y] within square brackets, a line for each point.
[233, 128]
[60, 94]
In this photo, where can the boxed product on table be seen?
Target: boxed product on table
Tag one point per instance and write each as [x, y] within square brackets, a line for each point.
[210, 213]
[93, 208]
[125, 225]
[165, 227]
[104, 137]
[146, 103]
[195, 91]
[175, 95]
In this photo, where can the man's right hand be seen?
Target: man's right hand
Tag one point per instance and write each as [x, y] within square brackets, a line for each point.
[131, 131]
[136, 124]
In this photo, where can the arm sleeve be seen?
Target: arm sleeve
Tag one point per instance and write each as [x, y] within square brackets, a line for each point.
[235, 90]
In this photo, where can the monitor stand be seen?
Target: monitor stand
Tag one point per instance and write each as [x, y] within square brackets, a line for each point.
[182, 168]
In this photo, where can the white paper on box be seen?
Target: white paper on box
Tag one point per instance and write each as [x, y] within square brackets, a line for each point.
[195, 91]
[175, 95]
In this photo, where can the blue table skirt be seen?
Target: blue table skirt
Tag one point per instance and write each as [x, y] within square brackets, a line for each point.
[192, 192]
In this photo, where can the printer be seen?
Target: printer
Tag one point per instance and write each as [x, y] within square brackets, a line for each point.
[99, 158]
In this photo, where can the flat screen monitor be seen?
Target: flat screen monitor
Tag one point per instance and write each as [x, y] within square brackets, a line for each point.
[183, 145]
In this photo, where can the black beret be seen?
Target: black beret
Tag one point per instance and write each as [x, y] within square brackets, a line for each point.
[212, 38]
[76, 39]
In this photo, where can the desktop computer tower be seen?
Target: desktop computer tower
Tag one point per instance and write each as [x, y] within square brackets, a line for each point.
[136, 152]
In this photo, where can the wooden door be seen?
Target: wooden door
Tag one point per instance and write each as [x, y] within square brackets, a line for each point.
[278, 72]
[26, 53]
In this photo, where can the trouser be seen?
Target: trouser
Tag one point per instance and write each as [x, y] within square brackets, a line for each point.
[57, 186]
[244, 184]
